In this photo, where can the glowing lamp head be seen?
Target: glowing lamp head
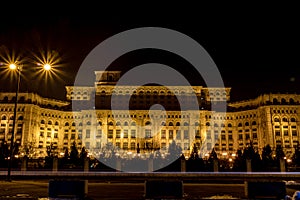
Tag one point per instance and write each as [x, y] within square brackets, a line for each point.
[47, 67]
[12, 66]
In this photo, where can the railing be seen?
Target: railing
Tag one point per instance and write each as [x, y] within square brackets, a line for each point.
[142, 176]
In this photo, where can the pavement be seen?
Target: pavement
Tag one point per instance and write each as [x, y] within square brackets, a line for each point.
[20, 189]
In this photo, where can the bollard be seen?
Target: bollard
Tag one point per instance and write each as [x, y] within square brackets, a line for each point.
[216, 165]
[282, 165]
[86, 169]
[24, 164]
[183, 165]
[118, 164]
[248, 165]
[55, 164]
[150, 165]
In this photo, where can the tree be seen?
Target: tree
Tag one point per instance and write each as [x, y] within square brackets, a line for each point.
[296, 156]
[74, 154]
[267, 159]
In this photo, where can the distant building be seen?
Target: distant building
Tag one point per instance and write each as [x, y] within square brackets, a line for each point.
[87, 118]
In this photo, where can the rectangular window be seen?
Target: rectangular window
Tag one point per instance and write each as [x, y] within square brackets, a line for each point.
[294, 133]
[223, 137]
[88, 133]
[87, 145]
[99, 134]
[98, 145]
[73, 136]
[48, 134]
[125, 133]
[230, 137]
[247, 136]
[170, 134]
[132, 145]
[148, 133]
[125, 145]
[163, 134]
[186, 146]
[208, 135]
[186, 134]
[55, 135]
[41, 134]
[66, 136]
[178, 134]
[110, 134]
[254, 135]
[208, 146]
[240, 136]
[277, 132]
[118, 133]
[79, 136]
[285, 132]
[197, 134]
[133, 133]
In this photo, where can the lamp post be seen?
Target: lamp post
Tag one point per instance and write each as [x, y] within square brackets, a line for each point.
[46, 67]
[18, 70]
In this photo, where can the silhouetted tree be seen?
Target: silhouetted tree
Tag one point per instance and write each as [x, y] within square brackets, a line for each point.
[74, 154]
[296, 156]
[195, 163]
[267, 159]
[239, 162]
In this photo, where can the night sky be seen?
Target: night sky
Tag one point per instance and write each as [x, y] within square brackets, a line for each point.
[256, 51]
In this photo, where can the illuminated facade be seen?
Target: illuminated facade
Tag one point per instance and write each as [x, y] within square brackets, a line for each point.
[269, 119]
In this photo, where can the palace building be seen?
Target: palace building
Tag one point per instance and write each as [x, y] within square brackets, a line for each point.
[130, 118]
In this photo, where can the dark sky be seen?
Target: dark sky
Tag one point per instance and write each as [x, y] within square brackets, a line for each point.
[256, 50]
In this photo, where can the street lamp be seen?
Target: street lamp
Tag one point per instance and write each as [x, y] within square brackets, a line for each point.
[18, 69]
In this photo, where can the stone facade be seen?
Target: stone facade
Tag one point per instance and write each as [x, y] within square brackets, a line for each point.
[134, 123]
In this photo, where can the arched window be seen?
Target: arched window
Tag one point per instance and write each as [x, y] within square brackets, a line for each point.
[118, 124]
[222, 125]
[163, 123]
[11, 117]
[125, 123]
[67, 124]
[253, 123]
[229, 125]
[170, 124]
[186, 124]
[73, 124]
[88, 123]
[196, 123]
[207, 124]
[247, 124]
[284, 119]
[110, 123]
[275, 101]
[42, 121]
[216, 125]
[80, 124]
[177, 123]
[240, 125]
[100, 123]
[49, 122]
[276, 119]
[133, 124]
[148, 123]
[283, 101]
[292, 101]
[3, 117]
[56, 124]
[293, 119]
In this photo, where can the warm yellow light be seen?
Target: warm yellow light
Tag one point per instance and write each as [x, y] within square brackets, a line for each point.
[47, 67]
[12, 66]
[230, 159]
